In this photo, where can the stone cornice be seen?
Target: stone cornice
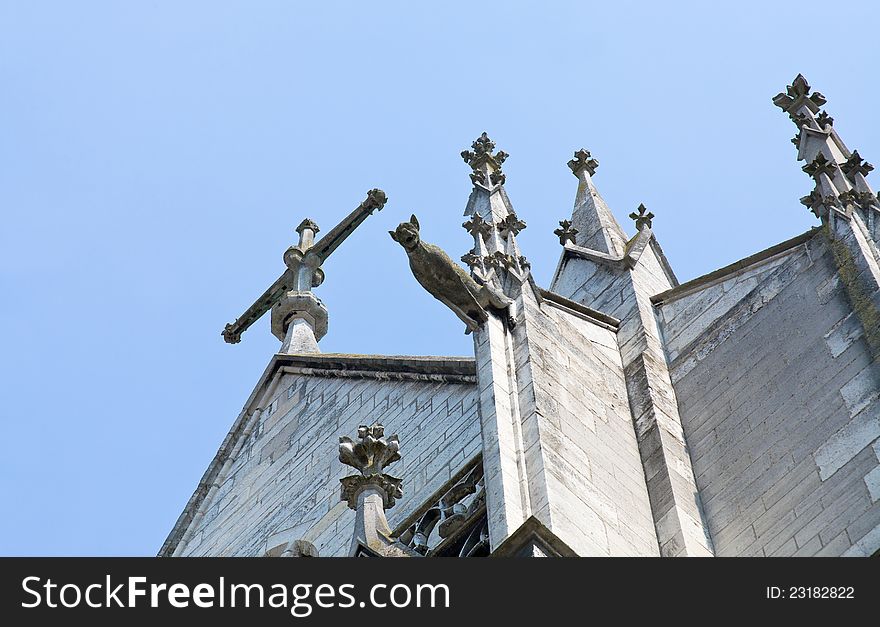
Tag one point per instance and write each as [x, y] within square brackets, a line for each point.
[572, 307]
[727, 271]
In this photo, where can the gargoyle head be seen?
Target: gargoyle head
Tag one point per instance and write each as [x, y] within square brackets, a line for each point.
[407, 234]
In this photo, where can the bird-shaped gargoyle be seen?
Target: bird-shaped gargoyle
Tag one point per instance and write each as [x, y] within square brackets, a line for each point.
[448, 282]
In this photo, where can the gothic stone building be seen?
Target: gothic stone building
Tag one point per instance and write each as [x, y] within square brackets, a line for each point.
[614, 412]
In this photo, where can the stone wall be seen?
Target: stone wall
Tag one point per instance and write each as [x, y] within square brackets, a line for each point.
[587, 440]
[778, 394]
[283, 483]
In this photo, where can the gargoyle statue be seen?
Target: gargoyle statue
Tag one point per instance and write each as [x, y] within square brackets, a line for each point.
[448, 282]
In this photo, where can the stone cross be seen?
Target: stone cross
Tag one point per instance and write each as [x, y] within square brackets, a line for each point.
[583, 160]
[566, 232]
[642, 218]
[299, 319]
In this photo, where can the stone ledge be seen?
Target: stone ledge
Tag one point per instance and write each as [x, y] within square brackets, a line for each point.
[343, 362]
[721, 274]
[570, 306]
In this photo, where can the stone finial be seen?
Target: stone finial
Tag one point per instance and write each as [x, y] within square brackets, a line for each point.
[797, 94]
[231, 334]
[471, 259]
[566, 232]
[820, 165]
[861, 199]
[824, 120]
[856, 165]
[483, 160]
[376, 199]
[370, 456]
[500, 260]
[308, 223]
[583, 161]
[477, 225]
[373, 453]
[813, 202]
[511, 224]
[482, 149]
[643, 218]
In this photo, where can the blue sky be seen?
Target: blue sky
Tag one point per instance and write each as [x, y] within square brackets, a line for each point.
[155, 158]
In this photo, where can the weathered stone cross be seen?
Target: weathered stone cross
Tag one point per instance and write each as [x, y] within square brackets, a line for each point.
[299, 318]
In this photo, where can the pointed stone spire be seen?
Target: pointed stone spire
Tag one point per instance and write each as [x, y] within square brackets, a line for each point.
[492, 221]
[592, 220]
[839, 175]
[372, 491]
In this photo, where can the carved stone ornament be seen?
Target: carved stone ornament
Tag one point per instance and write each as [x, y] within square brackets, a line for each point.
[461, 508]
[643, 218]
[824, 120]
[446, 281]
[813, 202]
[566, 232]
[856, 165]
[500, 260]
[303, 271]
[308, 223]
[583, 161]
[472, 259]
[371, 455]
[798, 93]
[476, 225]
[820, 165]
[482, 150]
[511, 224]
[482, 161]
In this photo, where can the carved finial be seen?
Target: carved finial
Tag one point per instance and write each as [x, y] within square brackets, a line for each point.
[566, 232]
[373, 453]
[856, 165]
[583, 161]
[824, 120]
[511, 224]
[370, 456]
[820, 165]
[308, 223]
[376, 199]
[796, 94]
[500, 260]
[471, 259]
[477, 225]
[642, 218]
[481, 155]
[230, 334]
[813, 202]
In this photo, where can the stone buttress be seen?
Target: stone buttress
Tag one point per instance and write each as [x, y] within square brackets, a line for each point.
[603, 269]
[559, 448]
